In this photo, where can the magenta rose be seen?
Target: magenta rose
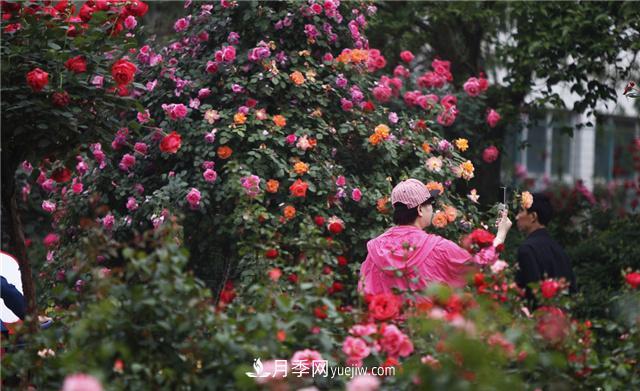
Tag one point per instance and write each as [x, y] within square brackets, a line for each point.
[490, 154]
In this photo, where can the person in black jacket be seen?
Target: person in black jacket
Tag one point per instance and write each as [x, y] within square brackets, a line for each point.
[13, 299]
[539, 256]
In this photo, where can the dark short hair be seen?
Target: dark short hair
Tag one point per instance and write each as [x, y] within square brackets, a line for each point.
[542, 206]
[405, 216]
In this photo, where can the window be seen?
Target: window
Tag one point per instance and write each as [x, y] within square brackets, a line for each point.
[548, 146]
[614, 140]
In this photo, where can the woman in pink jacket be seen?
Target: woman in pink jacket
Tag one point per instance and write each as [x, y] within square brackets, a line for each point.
[408, 258]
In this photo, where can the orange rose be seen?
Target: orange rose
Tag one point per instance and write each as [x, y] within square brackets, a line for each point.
[426, 147]
[375, 139]
[297, 78]
[289, 212]
[382, 131]
[435, 186]
[359, 55]
[451, 213]
[381, 205]
[300, 168]
[224, 152]
[279, 120]
[272, 186]
[239, 118]
[440, 220]
[299, 188]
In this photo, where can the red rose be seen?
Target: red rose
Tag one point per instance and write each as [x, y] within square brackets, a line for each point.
[171, 142]
[76, 64]
[342, 260]
[368, 106]
[320, 312]
[37, 79]
[336, 228]
[552, 324]
[633, 279]
[86, 12]
[60, 99]
[549, 288]
[384, 306]
[478, 279]
[123, 71]
[61, 175]
[336, 287]
[137, 8]
[299, 188]
[271, 253]
[319, 220]
[482, 237]
[293, 278]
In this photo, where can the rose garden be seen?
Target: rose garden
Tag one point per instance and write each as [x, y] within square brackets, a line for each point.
[190, 207]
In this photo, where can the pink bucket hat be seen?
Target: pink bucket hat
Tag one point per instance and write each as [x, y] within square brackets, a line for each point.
[412, 193]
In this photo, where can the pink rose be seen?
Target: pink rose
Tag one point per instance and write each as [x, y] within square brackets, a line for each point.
[360, 330]
[442, 68]
[77, 187]
[211, 67]
[346, 104]
[130, 22]
[127, 162]
[81, 382]
[498, 266]
[307, 356]
[472, 87]
[341, 181]
[48, 206]
[291, 139]
[175, 111]
[395, 343]
[406, 56]
[490, 154]
[193, 198]
[382, 93]
[181, 25]
[448, 116]
[492, 118]
[141, 148]
[363, 383]
[356, 350]
[210, 175]
[51, 240]
[108, 221]
[132, 204]
[356, 195]
[449, 101]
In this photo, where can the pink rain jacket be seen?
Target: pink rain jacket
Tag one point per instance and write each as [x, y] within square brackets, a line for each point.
[407, 257]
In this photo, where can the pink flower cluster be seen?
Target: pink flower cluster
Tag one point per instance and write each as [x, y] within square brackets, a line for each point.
[475, 86]
[251, 185]
[368, 338]
[437, 78]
